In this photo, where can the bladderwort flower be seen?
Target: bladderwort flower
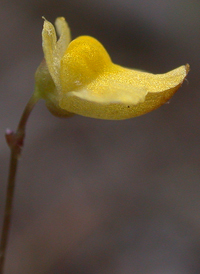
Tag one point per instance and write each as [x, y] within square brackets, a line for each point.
[79, 77]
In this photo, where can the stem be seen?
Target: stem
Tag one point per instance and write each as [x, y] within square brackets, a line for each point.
[15, 141]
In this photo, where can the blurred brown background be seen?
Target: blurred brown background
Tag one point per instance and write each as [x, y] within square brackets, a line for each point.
[101, 197]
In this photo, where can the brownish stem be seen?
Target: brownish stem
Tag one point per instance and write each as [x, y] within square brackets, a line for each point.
[15, 141]
[8, 208]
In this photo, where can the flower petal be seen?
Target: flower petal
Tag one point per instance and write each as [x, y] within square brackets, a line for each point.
[53, 49]
[120, 93]
[49, 44]
[64, 37]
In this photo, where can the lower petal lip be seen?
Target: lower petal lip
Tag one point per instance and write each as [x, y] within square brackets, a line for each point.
[118, 106]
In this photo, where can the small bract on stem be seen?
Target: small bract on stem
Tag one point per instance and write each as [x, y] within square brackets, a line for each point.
[79, 77]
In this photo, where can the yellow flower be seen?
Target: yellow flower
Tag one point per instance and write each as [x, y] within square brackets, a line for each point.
[79, 77]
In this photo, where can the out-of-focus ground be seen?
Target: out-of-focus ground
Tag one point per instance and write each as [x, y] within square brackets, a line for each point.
[101, 197]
